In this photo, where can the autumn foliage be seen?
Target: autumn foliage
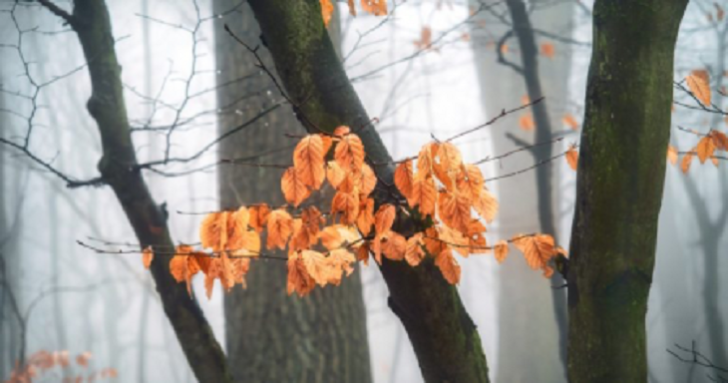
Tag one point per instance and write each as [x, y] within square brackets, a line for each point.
[436, 188]
[40, 364]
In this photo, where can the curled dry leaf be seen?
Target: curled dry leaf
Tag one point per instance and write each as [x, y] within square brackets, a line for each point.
[501, 251]
[280, 227]
[672, 154]
[548, 50]
[147, 256]
[448, 266]
[526, 122]
[570, 121]
[404, 178]
[705, 148]
[308, 160]
[384, 219]
[415, 252]
[572, 157]
[327, 11]
[375, 7]
[699, 84]
[294, 189]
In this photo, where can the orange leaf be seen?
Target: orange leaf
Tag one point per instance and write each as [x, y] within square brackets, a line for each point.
[450, 160]
[334, 174]
[705, 148]
[672, 154]
[308, 160]
[426, 158]
[367, 180]
[299, 279]
[685, 164]
[294, 189]
[448, 266]
[362, 253]
[548, 50]
[720, 140]
[365, 219]
[258, 216]
[454, 210]
[214, 230]
[415, 253]
[476, 238]
[348, 205]
[83, 358]
[349, 153]
[473, 183]
[537, 249]
[455, 240]
[316, 266]
[526, 122]
[384, 219]
[570, 121]
[699, 84]
[572, 157]
[394, 245]
[404, 178]
[424, 194]
[327, 10]
[341, 130]
[339, 260]
[375, 7]
[425, 41]
[486, 205]
[352, 8]
[331, 238]
[147, 256]
[280, 227]
[501, 251]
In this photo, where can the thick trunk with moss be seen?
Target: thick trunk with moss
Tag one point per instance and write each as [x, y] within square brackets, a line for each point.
[619, 187]
[273, 337]
[106, 105]
[444, 337]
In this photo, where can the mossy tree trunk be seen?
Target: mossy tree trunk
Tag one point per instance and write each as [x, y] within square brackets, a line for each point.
[273, 337]
[444, 337]
[91, 22]
[619, 187]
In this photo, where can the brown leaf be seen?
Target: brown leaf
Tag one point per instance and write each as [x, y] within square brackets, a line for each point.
[147, 256]
[699, 84]
[672, 154]
[501, 251]
[404, 178]
[572, 157]
[448, 266]
[308, 160]
[280, 227]
[705, 148]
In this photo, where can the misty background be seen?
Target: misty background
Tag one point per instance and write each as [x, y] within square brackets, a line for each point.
[107, 305]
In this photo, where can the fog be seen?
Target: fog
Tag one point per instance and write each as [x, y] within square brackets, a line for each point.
[60, 293]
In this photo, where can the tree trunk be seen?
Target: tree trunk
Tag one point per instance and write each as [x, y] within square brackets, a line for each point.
[526, 296]
[273, 337]
[619, 187]
[90, 20]
[443, 336]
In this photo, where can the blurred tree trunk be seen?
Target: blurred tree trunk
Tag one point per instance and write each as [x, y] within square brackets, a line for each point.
[525, 296]
[273, 337]
[619, 187]
[119, 169]
[443, 336]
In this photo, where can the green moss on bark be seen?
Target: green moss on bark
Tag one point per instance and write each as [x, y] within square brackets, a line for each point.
[619, 187]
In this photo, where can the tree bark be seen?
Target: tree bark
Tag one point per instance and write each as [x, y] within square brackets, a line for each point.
[273, 337]
[90, 20]
[619, 187]
[444, 337]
